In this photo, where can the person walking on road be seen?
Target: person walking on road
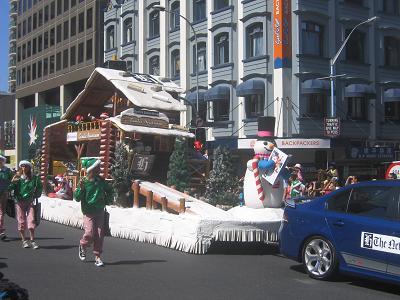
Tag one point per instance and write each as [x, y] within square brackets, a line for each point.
[27, 187]
[94, 193]
[5, 180]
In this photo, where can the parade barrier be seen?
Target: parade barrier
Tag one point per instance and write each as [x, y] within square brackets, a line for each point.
[192, 231]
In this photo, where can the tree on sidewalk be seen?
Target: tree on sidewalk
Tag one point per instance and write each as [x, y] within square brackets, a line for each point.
[178, 174]
[222, 184]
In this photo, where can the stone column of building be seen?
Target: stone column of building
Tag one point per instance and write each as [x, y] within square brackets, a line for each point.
[210, 136]
[142, 36]
[185, 33]
[164, 32]
[240, 66]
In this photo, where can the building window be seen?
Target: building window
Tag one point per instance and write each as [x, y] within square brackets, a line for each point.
[73, 26]
[39, 69]
[316, 105]
[40, 43]
[355, 46]
[24, 27]
[66, 5]
[40, 17]
[46, 40]
[154, 24]
[254, 106]
[29, 49]
[81, 22]
[175, 64]
[89, 18]
[23, 75]
[72, 53]
[46, 14]
[255, 38]
[312, 38]
[391, 7]
[59, 10]
[199, 10]
[51, 64]
[52, 10]
[154, 65]
[127, 30]
[221, 46]
[19, 30]
[58, 61]
[66, 30]
[45, 66]
[52, 37]
[356, 2]
[58, 33]
[219, 4]
[201, 57]
[89, 49]
[29, 24]
[65, 59]
[81, 53]
[110, 38]
[19, 54]
[28, 73]
[34, 46]
[34, 25]
[73, 3]
[33, 71]
[392, 51]
[174, 16]
[357, 108]
[23, 51]
[129, 66]
[221, 110]
[392, 111]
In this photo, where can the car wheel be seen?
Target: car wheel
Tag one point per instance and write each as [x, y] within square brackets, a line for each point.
[319, 258]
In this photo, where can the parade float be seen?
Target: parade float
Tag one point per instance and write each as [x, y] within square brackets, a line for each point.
[142, 112]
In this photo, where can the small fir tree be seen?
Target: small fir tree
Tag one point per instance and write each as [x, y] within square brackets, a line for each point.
[178, 174]
[222, 184]
[120, 173]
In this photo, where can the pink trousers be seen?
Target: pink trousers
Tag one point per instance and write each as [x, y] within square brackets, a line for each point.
[93, 225]
[3, 204]
[25, 215]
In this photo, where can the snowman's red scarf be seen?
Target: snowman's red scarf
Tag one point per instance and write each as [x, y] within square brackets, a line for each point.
[256, 173]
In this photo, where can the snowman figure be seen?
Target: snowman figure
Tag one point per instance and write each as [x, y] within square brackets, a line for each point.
[258, 192]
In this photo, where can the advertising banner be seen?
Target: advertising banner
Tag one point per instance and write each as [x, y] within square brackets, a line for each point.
[282, 34]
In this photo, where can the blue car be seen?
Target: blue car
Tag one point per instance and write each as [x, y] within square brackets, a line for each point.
[355, 229]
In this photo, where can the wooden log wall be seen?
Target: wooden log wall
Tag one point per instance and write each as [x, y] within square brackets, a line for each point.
[107, 148]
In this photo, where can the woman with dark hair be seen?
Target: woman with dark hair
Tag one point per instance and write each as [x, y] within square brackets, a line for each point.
[27, 187]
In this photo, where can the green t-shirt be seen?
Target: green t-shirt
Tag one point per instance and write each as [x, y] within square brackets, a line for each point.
[94, 196]
[27, 190]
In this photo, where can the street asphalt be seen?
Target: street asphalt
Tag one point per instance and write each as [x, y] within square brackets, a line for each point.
[144, 271]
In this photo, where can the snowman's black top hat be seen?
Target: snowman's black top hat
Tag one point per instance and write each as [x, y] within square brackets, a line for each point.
[266, 127]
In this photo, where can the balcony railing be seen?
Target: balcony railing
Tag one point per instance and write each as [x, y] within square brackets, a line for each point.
[12, 36]
[13, 10]
[13, 50]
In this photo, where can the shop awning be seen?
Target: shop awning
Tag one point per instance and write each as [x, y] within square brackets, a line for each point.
[218, 92]
[250, 87]
[192, 97]
[315, 86]
[150, 130]
[359, 90]
[142, 90]
[392, 95]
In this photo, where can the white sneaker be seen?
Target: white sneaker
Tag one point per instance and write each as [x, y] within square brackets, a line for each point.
[25, 244]
[34, 245]
[98, 262]
[3, 236]
[82, 253]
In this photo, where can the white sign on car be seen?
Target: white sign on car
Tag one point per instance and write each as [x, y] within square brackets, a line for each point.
[380, 242]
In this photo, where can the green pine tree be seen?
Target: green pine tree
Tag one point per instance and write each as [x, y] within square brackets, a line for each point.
[120, 173]
[178, 174]
[222, 184]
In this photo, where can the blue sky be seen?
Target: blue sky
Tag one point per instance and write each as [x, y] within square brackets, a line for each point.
[4, 9]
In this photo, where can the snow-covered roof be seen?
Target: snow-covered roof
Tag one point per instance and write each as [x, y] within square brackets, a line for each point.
[142, 90]
[150, 130]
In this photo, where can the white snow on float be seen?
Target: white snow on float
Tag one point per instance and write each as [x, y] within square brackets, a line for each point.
[191, 232]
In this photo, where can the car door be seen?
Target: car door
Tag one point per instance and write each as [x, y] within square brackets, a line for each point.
[361, 230]
[393, 258]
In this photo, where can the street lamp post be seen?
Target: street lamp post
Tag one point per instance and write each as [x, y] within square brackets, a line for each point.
[162, 8]
[333, 61]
